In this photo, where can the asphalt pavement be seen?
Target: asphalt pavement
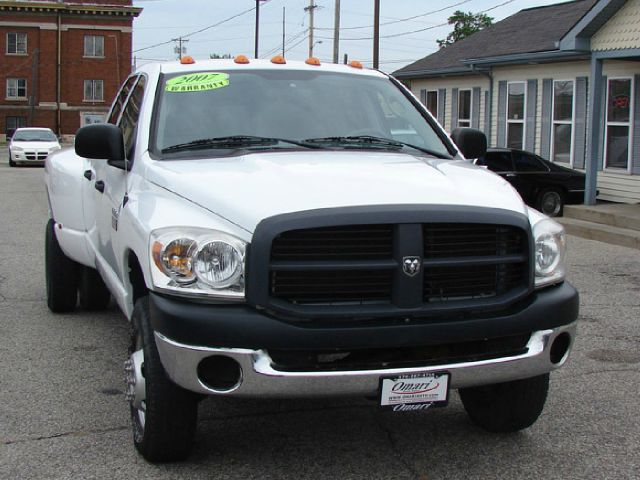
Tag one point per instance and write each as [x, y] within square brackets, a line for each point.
[63, 413]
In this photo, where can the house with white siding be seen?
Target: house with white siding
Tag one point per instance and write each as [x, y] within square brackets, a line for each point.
[562, 81]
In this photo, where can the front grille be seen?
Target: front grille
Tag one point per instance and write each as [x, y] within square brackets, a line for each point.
[456, 283]
[36, 155]
[406, 357]
[459, 240]
[333, 286]
[361, 264]
[335, 243]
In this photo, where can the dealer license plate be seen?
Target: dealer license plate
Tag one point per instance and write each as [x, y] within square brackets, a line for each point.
[415, 391]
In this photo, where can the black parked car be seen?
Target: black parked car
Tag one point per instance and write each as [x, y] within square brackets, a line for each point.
[543, 185]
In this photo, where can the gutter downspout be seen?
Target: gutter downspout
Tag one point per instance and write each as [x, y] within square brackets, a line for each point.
[489, 75]
[58, 76]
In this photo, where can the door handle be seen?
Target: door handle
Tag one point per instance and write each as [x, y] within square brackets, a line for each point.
[99, 185]
[88, 174]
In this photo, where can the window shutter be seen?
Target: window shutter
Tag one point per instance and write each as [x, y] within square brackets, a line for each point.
[475, 108]
[580, 122]
[635, 145]
[530, 122]
[454, 108]
[423, 96]
[487, 115]
[442, 96]
[603, 123]
[545, 134]
[502, 114]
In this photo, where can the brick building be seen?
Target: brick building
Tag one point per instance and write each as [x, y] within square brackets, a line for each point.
[62, 61]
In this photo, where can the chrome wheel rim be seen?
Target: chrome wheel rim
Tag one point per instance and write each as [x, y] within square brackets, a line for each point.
[135, 383]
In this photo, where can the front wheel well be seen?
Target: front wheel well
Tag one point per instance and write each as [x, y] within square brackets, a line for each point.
[136, 278]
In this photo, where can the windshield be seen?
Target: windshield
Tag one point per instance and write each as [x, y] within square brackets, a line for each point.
[34, 136]
[219, 110]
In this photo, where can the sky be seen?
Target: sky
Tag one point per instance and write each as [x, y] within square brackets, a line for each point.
[408, 31]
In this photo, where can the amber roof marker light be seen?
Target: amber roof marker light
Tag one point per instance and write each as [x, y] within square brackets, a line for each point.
[242, 59]
[188, 60]
[313, 61]
[355, 64]
[279, 60]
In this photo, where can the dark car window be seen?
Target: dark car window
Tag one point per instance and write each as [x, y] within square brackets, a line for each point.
[496, 161]
[121, 99]
[290, 104]
[528, 163]
[130, 114]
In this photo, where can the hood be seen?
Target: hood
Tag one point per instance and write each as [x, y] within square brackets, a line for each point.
[34, 145]
[246, 189]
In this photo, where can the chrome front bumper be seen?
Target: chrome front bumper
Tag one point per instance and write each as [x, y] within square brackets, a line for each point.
[260, 379]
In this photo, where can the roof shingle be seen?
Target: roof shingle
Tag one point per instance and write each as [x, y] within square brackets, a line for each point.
[528, 31]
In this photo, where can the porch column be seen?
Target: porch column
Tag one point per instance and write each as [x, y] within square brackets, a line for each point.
[595, 113]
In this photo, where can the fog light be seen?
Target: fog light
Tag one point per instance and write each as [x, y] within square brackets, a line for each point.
[220, 373]
[559, 348]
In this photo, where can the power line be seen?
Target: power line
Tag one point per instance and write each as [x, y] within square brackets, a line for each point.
[394, 35]
[287, 42]
[402, 19]
[198, 31]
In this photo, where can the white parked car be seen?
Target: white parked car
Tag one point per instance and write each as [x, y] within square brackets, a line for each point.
[32, 145]
[294, 229]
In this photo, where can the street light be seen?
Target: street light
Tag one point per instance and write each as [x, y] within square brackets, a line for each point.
[313, 45]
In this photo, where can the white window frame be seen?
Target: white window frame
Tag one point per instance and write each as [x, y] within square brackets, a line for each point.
[466, 120]
[93, 98]
[524, 114]
[629, 124]
[16, 87]
[555, 122]
[26, 45]
[435, 114]
[84, 46]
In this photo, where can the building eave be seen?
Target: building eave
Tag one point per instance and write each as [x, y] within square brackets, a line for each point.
[70, 8]
[442, 72]
[527, 58]
[579, 37]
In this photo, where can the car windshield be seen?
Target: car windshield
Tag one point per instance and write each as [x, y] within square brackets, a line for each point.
[34, 136]
[267, 109]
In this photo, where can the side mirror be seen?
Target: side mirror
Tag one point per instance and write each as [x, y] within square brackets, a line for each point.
[471, 142]
[101, 141]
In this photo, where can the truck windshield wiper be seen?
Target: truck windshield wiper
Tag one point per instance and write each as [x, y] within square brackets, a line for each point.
[234, 141]
[369, 140]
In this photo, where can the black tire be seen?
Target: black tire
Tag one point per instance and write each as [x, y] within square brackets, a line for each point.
[165, 425]
[94, 294]
[61, 275]
[551, 202]
[11, 162]
[506, 407]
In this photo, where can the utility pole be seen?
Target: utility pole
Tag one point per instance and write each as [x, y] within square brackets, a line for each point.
[376, 33]
[311, 8]
[284, 16]
[257, 26]
[180, 49]
[336, 33]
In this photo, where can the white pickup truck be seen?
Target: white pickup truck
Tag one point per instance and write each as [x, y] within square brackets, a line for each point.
[287, 229]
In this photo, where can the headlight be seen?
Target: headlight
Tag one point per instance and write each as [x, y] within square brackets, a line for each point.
[550, 252]
[198, 262]
[55, 148]
[16, 149]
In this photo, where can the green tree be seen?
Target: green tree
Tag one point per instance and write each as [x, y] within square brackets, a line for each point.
[464, 25]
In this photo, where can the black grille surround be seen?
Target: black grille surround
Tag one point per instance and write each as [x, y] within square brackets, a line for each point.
[347, 263]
